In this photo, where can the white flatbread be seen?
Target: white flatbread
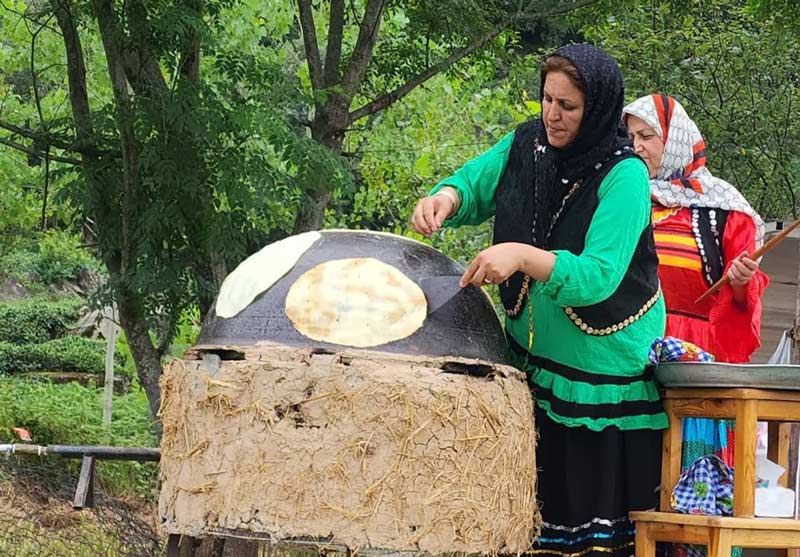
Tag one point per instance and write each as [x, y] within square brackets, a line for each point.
[357, 302]
[260, 271]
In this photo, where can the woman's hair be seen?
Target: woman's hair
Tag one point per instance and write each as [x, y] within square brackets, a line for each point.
[560, 64]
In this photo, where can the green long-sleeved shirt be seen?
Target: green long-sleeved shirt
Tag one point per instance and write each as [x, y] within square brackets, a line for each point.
[622, 214]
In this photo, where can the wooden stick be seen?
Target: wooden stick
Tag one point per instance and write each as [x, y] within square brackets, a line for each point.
[763, 250]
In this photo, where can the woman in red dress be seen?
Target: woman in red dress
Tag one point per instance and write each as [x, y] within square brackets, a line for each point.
[704, 228]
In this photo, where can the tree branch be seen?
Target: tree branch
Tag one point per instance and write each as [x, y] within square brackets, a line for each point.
[76, 72]
[34, 78]
[29, 16]
[48, 139]
[32, 153]
[141, 66]
[310, 43]
[190, 55]
[333, 51]
[387, 99]
[362, 53]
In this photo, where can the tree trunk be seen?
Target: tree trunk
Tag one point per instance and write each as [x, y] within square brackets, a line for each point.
[312, 214]
[209, 275]
[328, 129]
[145, 354]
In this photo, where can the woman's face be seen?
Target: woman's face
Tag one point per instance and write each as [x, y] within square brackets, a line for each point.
[646, 143]
[562, 109]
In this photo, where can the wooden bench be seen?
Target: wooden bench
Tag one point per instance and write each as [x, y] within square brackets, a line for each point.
[747, 406]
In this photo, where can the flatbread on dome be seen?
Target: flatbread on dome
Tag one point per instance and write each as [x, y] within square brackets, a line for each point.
[260, 271]
[358, 302]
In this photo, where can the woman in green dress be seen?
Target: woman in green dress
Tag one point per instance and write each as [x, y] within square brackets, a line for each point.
[574, 259]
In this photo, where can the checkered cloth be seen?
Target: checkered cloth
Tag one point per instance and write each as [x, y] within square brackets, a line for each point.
[671, 349]
[706, 487]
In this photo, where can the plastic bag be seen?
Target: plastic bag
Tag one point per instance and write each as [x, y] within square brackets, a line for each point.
[784, 354]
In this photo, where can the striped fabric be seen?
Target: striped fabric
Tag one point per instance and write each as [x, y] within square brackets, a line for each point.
[571, 395]
[588, 483]
[609, 537]
[678, 249]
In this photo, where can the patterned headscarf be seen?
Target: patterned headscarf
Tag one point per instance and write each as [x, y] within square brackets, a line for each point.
[682, 179]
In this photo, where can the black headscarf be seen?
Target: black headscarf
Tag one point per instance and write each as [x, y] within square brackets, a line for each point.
[601, 137]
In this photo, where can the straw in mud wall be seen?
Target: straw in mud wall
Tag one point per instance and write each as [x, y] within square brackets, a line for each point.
[364, 449]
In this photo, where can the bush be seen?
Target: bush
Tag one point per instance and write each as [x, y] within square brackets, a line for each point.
[72, 414]
[68, 354]
[61, 258]
[35, 321]
[55, 258]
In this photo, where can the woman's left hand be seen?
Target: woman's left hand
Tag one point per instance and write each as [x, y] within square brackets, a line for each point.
[495, 264]
[742, 269]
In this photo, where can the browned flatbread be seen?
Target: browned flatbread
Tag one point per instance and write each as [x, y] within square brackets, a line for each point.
[356, 302]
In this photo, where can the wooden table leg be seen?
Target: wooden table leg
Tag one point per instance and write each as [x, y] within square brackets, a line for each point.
[173, 545]
[720, 545]
[778, 437]
[671, 457]
[745, 459]
[645, 544]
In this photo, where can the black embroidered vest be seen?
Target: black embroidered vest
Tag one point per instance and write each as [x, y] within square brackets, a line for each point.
[514, 216]
[708, 226]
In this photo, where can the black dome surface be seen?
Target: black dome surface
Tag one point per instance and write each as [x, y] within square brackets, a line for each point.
[465, 326]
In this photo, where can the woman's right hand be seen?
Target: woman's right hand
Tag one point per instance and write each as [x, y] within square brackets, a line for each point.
[431, 212]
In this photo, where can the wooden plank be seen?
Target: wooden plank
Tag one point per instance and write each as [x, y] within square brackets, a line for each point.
[720, 543]
[765, 539]
[794, 448]
[704, 407]
[678, 533]
[786, 524]
[173, 545]
[645, 546]
[779, 411]
[110, 331]
[778, 447]
[84, 493]
[737, 393]
[240, 548]
[744, 497]
[671, 456]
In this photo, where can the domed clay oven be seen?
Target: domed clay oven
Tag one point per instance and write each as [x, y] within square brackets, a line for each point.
[345, 389]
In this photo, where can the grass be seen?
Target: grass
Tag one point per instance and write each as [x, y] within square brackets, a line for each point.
[71, 414]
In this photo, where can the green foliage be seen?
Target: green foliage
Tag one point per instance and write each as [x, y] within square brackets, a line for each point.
[125, 356]
[415, 35]
[48, 258]
[188, 331]
[35, 321]
[784, 14]
[737, 77]
[61, 257]
[223, 163]
[67, 354]
[422, 140]
[71, 414]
